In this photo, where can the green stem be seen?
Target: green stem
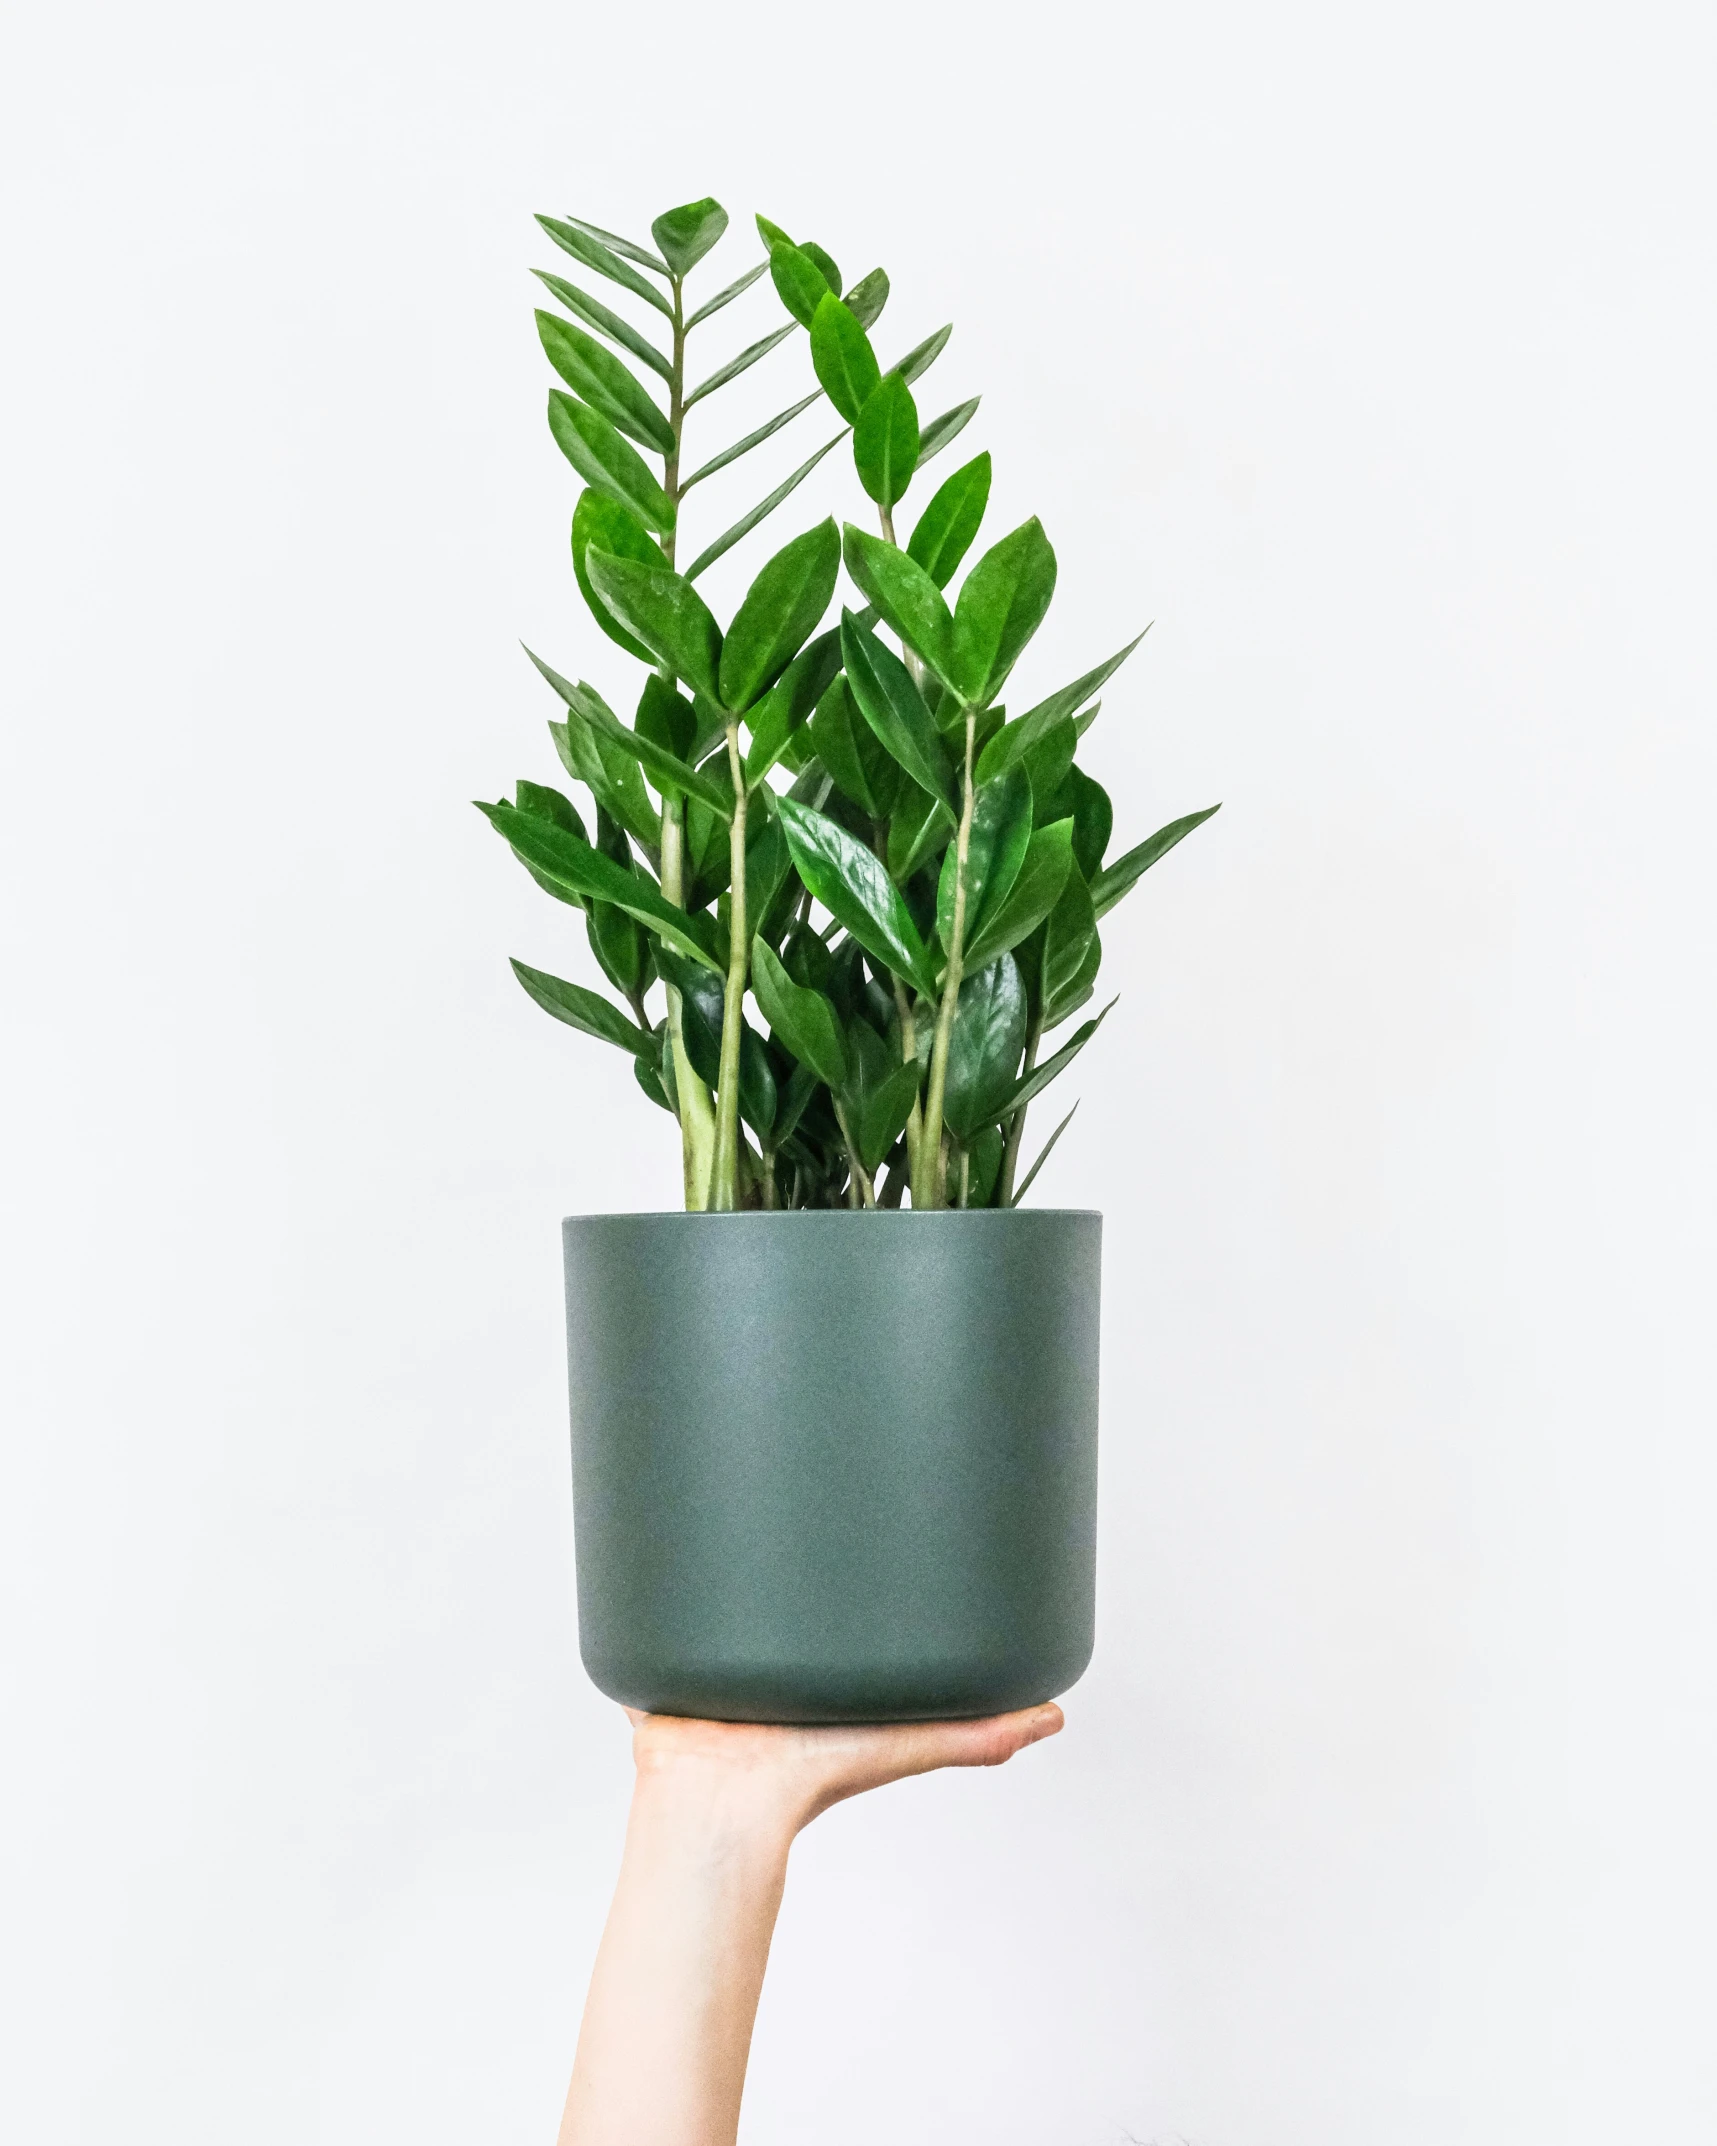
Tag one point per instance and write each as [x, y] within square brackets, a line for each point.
[903, 1006]
[933, 1163]
[965, 1175]
[724, 1188]
[1016, 1124]
[697, 1112]
[859, 1187]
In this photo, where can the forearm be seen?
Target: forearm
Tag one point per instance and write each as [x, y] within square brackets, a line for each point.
[667, 2024]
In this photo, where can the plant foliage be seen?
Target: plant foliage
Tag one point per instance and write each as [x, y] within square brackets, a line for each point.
[841, 901]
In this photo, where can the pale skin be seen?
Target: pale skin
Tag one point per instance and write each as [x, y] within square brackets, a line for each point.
[715, 1809]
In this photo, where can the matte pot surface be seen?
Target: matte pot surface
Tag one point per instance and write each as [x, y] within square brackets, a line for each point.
[831, 1466]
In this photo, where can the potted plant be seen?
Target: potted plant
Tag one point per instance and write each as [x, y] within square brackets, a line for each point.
[834, 1427]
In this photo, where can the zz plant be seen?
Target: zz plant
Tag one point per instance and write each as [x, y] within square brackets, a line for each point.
[907, 882]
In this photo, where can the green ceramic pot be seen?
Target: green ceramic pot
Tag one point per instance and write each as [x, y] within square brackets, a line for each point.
[834, 1466]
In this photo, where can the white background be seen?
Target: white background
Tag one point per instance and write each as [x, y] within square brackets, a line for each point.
[1367, 351]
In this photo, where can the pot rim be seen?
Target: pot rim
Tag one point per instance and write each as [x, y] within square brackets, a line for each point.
[846, 1214]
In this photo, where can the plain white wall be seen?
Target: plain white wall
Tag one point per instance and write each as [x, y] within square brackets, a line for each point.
[1367, 351]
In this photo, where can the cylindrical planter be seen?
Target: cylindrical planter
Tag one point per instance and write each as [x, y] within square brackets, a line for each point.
[832, 1466]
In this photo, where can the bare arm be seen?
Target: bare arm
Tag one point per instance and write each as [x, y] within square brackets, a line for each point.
[667, 2023]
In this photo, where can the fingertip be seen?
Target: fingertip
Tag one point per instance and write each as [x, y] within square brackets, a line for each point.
[1049, 1720]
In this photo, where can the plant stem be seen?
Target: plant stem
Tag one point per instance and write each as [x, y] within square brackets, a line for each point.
[859, 1186]
[915, 668]
[697, 1112]
[676, 420]
[934, 1167]
[965, 1175]
[724, 1186]
[908, 1017]
[1016, 1124]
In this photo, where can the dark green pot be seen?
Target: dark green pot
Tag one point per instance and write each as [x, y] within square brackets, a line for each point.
[834, 1466]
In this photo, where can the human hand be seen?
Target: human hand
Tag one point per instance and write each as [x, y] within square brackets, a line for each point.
[791, 1775]
[667, 2024]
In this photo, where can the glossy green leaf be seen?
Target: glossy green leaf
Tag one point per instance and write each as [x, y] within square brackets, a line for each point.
[984, 1165]
[919, 826]
[842, 357]
[702, 1009]
[599, 378]
[801, 1086]
[948, 426]
[854, 886]
[606, 461]
[906, 598]
[863, 772]
[670, 774]
[789, 702]
[667, 718]
[737, 288]
[559, 812]
[751, 440]
[748, 522]
[894, 708]
[1049, 766]
[824, 260]
[771, 234]
[1044, 1154]
[879, 1095]
[802, 1019]
[665, 612]
[885, 441]
[613, 778]
[984, 1047]
[586, 1010]
[1125, 873]
[1000, 839]
[735, 366]
[547, 804]
[1067, 702]
[1002, 603]
[951, 521]
[650, 1080]
[610, 773]
[629, 247]
[1068, 951]
[587, 872]
[600, 521]
[801, 284]
[606, 323]
[758, 1096]
[1093, 821]
[780, 612]
[584, 246]
[767, 864]
[1042, 875]
[621, 946]
[867, 298]
[686, 234]
[1033, 1083]
[708, 844]
[919, 359]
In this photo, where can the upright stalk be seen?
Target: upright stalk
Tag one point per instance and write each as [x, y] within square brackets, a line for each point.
[933, 1166]
[724, 1187]
[696, 1109]
[1016, 1124]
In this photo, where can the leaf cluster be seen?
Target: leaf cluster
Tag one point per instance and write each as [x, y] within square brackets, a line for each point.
[844, 903]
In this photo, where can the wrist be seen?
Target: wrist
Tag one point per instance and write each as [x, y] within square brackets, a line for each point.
[737, 1812]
